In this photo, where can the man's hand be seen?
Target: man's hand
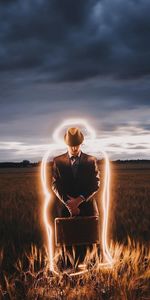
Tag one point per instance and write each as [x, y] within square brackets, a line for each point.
[73, 204]
[74, 211]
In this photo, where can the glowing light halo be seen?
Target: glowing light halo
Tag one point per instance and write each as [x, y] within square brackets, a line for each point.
[47, 194]
[105, 206]
[56, 134]
[45, 207]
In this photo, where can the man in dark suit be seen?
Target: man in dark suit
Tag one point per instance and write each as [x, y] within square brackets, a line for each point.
[75, 178]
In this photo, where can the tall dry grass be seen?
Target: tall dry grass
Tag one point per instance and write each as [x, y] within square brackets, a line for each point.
[24, 270]
[128, 278]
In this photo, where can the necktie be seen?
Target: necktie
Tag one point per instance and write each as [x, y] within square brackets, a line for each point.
[73, 158]
[75, 163]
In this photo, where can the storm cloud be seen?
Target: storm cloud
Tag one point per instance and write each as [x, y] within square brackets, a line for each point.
[66, 58]
[75, 40]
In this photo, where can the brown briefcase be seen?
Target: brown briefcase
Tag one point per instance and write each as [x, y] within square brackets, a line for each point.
[77, 230]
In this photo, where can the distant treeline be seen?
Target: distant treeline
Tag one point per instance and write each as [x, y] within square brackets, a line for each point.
[28, 164]
[22, 164]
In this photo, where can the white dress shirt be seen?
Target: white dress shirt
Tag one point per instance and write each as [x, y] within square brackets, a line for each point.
[70, 155]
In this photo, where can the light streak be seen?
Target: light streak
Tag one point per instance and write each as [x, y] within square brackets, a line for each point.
[90, 141]
[47, 195]
[68, 122]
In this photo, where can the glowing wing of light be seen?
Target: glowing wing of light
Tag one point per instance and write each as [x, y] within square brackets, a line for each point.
[91, 135]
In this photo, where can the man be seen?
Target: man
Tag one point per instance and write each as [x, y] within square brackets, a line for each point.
[75, 178]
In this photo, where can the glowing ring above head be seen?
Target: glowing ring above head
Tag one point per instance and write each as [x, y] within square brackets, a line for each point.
[105, 198]
[57, 132]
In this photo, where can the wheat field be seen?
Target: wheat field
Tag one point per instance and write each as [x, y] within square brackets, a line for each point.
[24, 272]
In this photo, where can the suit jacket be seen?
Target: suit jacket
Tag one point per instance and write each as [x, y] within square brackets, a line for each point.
[86, 182]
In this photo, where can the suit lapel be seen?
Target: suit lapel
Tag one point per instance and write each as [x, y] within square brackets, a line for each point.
[81, 163]
[69, 166]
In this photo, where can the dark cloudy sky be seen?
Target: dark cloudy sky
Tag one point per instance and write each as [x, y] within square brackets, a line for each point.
[65, 58]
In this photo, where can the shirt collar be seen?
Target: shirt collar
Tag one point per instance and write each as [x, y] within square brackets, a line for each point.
[73, 155]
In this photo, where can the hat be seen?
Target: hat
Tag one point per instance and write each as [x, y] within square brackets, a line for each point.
[73, 136]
